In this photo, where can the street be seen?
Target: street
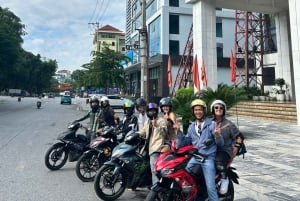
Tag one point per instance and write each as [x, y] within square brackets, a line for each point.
[26, 134]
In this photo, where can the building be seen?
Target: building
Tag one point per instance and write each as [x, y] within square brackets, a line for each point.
[168, 26]
[111, 37]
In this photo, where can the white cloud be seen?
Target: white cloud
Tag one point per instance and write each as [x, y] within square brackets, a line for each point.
[60, 30]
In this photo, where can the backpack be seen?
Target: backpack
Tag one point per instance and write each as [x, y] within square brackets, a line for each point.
[242, 147]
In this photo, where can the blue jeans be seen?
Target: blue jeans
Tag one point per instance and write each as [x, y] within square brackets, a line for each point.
[209, 172]
[153, 158]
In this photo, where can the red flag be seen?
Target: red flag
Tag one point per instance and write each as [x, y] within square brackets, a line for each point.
[232, 68]
[203, 73]
[169, 72]
[196, 74]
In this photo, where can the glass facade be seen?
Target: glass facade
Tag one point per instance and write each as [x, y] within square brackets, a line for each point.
[154, 37]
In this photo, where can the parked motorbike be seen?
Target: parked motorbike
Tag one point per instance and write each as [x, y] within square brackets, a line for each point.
[38, 104]
[178, 183]
[126, 169]
[100, 151]
[71, 146]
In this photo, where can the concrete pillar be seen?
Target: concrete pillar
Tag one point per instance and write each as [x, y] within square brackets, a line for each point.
[204, 39]
[294, 6]
[284, 66]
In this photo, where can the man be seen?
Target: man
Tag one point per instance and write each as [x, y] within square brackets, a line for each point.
[94, 115]
[202, 134]
[140, 104]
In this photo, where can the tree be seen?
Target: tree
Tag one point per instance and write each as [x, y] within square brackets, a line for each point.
[105, 70]
[11, 32]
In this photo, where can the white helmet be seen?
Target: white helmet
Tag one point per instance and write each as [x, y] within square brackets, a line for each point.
[104, 102]
[219, 102]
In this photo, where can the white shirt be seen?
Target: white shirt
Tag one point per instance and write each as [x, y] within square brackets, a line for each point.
[141, 120]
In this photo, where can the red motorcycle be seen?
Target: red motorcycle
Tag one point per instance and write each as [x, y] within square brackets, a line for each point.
[179, 184]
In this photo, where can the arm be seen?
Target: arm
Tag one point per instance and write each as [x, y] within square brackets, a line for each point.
[84, 117]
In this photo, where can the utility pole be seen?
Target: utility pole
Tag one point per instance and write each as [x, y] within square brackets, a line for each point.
[144, 52]
[96, 35]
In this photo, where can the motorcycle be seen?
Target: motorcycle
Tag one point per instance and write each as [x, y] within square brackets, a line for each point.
[178, 183]
[71, 146]
[38, 104]
[126, 169]
[100, 151]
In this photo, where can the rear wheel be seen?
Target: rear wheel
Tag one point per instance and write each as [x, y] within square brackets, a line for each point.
[88, 165]
[56, 156]
[109, 186]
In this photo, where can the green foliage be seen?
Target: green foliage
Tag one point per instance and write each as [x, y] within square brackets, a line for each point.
[104, 70]
[181, 102]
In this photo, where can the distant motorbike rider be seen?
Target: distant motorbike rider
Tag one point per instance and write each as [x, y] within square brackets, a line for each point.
[94, 115]
[130, 121]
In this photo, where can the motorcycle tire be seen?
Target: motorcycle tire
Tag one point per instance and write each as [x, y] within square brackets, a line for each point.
[229, 196]
[169, 195]
[107, 186]
[88, 165]
[56, 156]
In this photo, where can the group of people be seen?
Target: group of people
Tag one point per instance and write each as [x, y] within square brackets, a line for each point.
[160, 130]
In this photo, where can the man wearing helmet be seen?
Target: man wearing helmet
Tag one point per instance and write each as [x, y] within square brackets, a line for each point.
[165, 105]
[203, 136]
[130, 121]
[94, 114]
[154, 130]
[229, 132]
[140, 105]
[108, 115]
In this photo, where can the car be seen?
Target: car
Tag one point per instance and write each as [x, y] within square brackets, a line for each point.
[116, 101]
[65, 99]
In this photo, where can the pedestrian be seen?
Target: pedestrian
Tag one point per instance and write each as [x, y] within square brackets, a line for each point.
[140, 105]
[169, 116]
[154, 131]
[229, 132]
[202, 135]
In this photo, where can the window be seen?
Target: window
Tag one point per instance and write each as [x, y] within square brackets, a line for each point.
[174, 3]
[174, 47]
[113, 43]
[219, 52]
[174, 24]
[219, 31]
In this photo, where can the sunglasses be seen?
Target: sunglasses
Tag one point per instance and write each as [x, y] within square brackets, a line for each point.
[217, 108]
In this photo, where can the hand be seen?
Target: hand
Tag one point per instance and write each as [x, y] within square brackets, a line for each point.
[217, 129]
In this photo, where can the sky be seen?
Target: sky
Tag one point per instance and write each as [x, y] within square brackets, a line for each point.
[62, 30]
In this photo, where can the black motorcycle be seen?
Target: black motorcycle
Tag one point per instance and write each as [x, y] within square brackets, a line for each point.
[126, 169]
[38, 104]
[100, 151]
[71, 146]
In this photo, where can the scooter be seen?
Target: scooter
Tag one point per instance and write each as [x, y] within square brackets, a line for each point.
[71, 146]
[126, 169]
[38, 104]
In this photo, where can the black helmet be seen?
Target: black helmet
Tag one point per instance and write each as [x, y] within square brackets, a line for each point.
[140, 102]
[94, 107]
[94, 99]
[152, 106]
[166, 101]
[128, 108]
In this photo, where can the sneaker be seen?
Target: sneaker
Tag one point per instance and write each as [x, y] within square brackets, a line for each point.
[224, 186]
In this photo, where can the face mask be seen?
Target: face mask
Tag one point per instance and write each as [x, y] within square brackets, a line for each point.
[95, 108]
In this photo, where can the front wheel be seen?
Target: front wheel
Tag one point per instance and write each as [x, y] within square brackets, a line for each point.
[88, 165]
[165, 195]
[56, 156]
[109, 186]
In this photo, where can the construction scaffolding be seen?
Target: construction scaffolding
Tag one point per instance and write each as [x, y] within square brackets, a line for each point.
[249, 51]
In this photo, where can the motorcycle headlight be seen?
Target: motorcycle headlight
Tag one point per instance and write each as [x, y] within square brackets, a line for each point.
[166, 171]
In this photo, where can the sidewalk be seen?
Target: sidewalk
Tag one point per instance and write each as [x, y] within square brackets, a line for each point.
[270, 170]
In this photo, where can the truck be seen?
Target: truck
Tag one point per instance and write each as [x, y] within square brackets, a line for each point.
[15, 92]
